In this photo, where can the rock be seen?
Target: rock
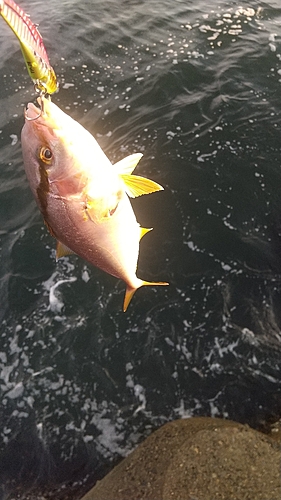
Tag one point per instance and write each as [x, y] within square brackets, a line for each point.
[197, 459]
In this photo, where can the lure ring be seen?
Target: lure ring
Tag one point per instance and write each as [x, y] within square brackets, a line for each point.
[40, 88]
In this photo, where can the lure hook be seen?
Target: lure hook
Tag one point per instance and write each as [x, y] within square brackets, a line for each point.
[40, 89]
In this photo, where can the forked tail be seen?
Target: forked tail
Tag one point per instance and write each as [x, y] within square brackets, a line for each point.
[130, 291]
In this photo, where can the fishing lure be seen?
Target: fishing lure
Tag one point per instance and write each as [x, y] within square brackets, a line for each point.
[31, 43]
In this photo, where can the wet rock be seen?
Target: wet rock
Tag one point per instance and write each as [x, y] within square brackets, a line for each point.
[197, 459]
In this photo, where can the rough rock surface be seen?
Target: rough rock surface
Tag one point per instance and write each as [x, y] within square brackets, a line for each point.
[197, 459]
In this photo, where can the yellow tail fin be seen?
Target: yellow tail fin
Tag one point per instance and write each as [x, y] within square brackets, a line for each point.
[130, 291]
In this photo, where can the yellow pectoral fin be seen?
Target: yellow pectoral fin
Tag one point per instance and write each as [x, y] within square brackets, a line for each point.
[63, 250]
[91, 210]
[128, 164]
[135, 185]
[97, 212]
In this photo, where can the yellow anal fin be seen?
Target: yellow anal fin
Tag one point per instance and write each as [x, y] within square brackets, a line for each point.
[144, 231]
[127, 165]
[130, 291]
[63, 250]
[135, 185]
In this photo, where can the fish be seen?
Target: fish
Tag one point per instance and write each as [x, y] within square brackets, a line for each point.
[83, 197]
[32, 47]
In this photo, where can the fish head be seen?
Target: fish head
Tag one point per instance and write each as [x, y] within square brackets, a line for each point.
[53, 147]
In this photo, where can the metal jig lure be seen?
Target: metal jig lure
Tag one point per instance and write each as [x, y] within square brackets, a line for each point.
[31, 43]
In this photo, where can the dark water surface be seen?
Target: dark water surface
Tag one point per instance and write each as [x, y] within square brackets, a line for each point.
[196, 89]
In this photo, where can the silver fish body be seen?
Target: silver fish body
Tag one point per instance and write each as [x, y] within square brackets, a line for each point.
[82, 196]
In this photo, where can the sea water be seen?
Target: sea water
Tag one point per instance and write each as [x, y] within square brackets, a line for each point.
[196, 88]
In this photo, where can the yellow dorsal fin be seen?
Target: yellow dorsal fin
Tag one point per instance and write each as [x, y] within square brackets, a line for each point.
[135, 185]
[144, 231]
[130, 291]
[62, 250]
[128, 164]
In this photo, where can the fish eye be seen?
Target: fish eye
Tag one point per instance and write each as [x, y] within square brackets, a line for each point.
[46, 155]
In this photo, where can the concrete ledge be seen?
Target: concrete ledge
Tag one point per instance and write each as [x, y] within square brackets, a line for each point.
[197, 459]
